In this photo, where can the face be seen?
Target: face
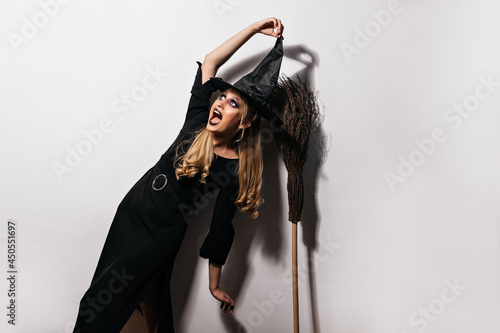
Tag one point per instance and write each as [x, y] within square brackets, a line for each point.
[225, 114]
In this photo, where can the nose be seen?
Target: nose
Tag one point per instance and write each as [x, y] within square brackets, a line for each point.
[222, 103]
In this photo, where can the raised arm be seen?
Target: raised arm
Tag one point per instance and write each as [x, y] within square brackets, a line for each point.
[215, 59]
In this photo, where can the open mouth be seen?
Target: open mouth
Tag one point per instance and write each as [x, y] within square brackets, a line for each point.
[216, 117]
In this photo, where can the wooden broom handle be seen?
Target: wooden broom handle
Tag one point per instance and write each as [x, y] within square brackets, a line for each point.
[295, 279]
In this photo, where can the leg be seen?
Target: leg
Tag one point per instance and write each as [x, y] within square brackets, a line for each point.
[156, 304]
[150, 306]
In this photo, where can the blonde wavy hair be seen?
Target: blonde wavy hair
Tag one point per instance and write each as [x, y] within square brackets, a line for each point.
[247, 143]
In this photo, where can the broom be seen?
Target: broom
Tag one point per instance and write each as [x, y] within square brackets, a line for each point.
[298, 105]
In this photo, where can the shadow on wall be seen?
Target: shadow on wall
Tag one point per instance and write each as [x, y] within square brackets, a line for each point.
[317, 154]
[267, 230]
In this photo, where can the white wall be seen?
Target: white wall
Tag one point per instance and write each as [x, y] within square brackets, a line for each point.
[381, 256]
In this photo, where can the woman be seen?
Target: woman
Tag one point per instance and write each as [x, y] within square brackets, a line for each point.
[218, 147]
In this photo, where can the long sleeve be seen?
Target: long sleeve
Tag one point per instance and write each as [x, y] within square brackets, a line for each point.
[218, 242]
[199, 103]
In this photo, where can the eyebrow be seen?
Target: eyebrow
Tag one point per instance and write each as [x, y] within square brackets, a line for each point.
[226, 92]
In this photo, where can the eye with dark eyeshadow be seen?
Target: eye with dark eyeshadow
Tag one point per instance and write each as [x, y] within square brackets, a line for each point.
[233, 102]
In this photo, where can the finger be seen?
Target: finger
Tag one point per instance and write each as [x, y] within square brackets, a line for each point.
[221, 304]
[228, 300]
[275, 26]
[231, 310]
[266, 24]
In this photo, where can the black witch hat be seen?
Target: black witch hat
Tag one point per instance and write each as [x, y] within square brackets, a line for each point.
[258, 85]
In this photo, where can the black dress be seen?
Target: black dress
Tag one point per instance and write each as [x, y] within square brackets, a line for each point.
[149, 226]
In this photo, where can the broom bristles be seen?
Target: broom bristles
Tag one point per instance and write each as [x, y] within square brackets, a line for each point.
[298, 105]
